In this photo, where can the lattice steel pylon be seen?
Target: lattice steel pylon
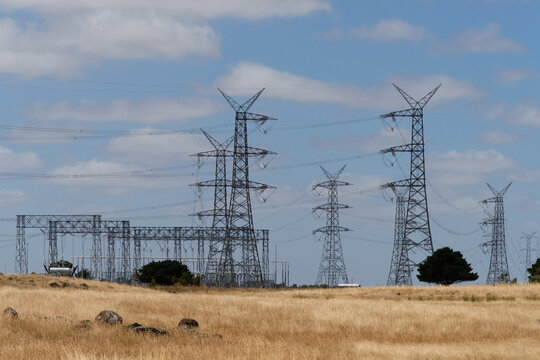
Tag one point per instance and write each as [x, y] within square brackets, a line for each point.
[417, 227]
[219, 211]
[400, 267]
[528, 252]
[239, 263]
[332, 269]
[498, 265]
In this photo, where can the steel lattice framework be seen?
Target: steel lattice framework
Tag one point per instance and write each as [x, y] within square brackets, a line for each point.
[239, 263]
[417, 227]
[400, 267]
[219, 211]
[528, 251]
[498, 265]
[332, 267]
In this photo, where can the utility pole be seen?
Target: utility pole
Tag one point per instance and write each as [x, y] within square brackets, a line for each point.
[400, 267]
[219, 212]
[417, 231]
[332, 267]
[498, 265]
[239, 263]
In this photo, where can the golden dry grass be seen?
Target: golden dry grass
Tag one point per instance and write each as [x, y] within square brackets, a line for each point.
[459, 322]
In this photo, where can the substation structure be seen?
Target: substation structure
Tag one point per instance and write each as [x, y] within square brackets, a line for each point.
[117, 248]
[412, 236]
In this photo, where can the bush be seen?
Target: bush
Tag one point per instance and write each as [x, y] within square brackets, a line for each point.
[534, 271]
[445, 267]
[84, 274]
[167, 272]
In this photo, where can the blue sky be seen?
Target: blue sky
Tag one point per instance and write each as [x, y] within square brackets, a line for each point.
[133, 66]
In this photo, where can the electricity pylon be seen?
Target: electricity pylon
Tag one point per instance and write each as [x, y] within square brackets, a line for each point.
[332, 267]
[219, 211]
[239, 263]
[400, 267]
[528, 252]
[417, 229]
[498, 264]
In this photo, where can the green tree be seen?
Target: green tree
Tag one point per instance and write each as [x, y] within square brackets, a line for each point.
[445, 267]
[534, 270]
[167, 272]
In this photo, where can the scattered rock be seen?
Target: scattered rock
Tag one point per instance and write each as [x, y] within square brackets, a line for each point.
[10, 312]
[188, 324]
[399, 294]
[133, 326]
[109, 317]
[205, 336]
[151, 330]
[54, 284]
[65, 284]
[84, 286]
[84, 324]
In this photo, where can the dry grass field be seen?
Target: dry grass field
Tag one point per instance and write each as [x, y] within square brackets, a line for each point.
[458, 322]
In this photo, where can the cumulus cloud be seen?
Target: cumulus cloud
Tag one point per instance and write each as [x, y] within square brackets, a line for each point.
[9, 160]
[162, 149]
[499, 137]
[510, 76]
[200, 9]
[487, 40]
[149, 111]
[390, 30]
[246, 78]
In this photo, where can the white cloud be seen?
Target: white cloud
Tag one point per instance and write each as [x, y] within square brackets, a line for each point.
[369, 143]
[149, 111]
[200, 9]
[509, 76]
[487, 40]
[390, 30]
[163, 149]
[467, 168]
[524, 115]
[499, 137]
[10, 160]
[246, 78]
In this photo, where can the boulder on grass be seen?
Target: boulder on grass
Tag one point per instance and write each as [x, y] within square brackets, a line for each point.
[133, 326]
[151, 330]
[10, 312]
[109, 317]
[54, 284]
[84, 324]
[188, 324]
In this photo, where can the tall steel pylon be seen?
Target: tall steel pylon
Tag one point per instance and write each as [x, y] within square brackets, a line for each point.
[417, 228]
[332, 267]
[528, 252]
[498, 265]
[219, 211]
[239, 263]
[400, 267]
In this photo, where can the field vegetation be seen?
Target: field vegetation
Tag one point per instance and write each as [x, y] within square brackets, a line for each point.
[436, 322]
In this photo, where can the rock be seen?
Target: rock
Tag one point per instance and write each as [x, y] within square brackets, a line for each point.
[84, 286]
[188, 324]
[65, 284]
[205, 336]
[151, 330]
[133, 326]
[109, 317]
[54, 284]
[84, 324]
[10, 312]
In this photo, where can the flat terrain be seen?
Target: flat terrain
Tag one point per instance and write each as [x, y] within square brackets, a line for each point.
[457, 322]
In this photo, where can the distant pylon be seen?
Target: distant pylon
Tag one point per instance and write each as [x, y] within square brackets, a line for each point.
[417, 228]
[528, 252]
[239, 263]
[219, 211]
[498, 265]
[400, 267]
[332, 267]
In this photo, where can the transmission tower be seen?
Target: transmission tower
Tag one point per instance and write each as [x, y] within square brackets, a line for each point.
[239, 263]
[400, 266]
[332, 268]
[498, 264]
[417, 229]
[528, 251]
[219, 212]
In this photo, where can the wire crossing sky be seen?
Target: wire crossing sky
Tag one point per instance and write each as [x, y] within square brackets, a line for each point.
[103, 103]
